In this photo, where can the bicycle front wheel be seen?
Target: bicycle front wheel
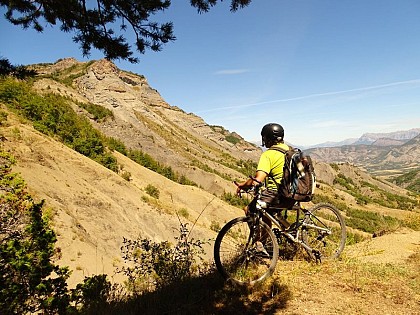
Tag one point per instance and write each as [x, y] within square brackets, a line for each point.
[246, 251]
[324, 231]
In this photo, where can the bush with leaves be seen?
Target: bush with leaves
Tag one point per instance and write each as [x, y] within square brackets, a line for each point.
[152, 191]
[29, 280]
[19, 71]
[92, 294]
[234, 200]
[150, 265]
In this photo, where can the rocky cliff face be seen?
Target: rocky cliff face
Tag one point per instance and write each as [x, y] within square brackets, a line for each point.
[143, 120]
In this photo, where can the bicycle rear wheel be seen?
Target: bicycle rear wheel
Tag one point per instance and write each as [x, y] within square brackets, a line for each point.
[246, 252]
[324, 231]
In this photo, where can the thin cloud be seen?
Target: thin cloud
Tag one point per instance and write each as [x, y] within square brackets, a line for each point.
[231, 71]
[327, 124]
[368, 88]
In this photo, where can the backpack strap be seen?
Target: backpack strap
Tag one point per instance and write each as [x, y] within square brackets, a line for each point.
[278, 149]
[284, 151]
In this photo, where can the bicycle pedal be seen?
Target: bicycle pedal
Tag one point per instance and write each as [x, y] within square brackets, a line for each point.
[317, 256]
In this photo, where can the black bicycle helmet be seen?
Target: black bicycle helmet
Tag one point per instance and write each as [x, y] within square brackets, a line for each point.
[272, 132]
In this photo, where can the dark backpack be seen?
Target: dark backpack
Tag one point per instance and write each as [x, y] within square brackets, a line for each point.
[299, 178]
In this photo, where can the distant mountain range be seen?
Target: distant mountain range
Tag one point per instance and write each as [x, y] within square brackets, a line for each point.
[381, 154]
[379, 139]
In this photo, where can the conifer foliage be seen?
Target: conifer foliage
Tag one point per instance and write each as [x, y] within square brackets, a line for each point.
[102, 24]
[29, 280]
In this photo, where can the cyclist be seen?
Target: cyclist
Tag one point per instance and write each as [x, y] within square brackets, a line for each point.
[271, 163]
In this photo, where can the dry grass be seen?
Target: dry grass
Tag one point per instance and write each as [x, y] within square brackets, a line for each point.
[347, 286]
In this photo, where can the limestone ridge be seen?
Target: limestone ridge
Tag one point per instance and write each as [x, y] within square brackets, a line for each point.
[143, 120]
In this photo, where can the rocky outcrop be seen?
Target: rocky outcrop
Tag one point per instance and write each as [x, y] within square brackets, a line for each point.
[143, 120]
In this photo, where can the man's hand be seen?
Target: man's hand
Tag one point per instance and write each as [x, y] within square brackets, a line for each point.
[244, 186]
[251, 181]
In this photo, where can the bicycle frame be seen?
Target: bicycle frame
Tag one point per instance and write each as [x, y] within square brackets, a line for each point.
[294, 239]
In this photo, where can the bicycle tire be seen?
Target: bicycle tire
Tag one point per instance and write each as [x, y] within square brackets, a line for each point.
[324, 230]
[238, 255]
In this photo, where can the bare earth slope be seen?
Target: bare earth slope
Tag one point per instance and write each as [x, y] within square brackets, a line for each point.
[94, 208]
[393, 248]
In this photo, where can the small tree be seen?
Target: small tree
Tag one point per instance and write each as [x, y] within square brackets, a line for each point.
[29, 281]
[20, 72]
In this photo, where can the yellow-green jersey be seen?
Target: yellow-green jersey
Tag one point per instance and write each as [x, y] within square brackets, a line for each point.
[272, 162]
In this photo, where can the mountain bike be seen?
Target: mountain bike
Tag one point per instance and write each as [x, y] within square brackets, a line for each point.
[247, 249]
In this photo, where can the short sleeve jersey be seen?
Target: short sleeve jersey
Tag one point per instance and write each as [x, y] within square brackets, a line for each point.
[272, 162]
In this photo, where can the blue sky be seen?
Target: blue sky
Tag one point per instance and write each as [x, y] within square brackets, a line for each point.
[326, 70]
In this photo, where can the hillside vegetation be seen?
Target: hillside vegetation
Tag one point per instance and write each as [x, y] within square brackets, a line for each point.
[104, 190]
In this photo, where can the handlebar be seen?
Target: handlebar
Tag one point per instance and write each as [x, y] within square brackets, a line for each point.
[253, 189]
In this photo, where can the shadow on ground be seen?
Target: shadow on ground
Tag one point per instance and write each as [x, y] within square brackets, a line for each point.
[208, 294]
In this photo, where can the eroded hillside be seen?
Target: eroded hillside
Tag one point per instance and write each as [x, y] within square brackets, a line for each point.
[208, 155]
[93, 208]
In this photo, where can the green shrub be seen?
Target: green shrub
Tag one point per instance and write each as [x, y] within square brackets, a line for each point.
[184, 213]
[335, 167]
[117, 145]
[344, 181]
[98, 112]
[30, 281]
[215, 226]
[353, 238]
[234, 200]
[52, 115]
[150, 265]
[147, 161]
[370, 222]
[126, 175]
[107, 160]
[152, 191]
[18, 71]
[232, 139]
[92, 294]
[3, 117]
